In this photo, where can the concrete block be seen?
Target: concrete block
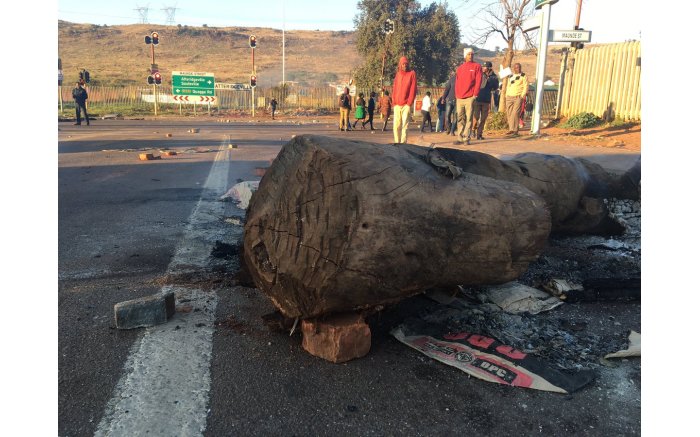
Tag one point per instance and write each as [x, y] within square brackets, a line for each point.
[144, 312]
[338, 338]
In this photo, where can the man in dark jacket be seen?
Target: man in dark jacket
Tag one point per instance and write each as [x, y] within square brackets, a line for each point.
[273, 107]
[370, 111]
[450, 106]
[489, 84]
[80, 96]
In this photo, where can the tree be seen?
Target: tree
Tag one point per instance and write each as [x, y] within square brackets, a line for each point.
[429, 37]
[505, 18]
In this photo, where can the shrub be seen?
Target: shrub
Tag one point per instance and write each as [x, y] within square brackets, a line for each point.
[582, 120]
[496, 121]
[621, 124]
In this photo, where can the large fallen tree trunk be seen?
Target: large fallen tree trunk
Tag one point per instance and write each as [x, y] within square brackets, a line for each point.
[340, 225]
[574, 189]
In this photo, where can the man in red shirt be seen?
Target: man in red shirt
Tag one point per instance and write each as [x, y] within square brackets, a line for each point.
[467, 86]
[403, 95]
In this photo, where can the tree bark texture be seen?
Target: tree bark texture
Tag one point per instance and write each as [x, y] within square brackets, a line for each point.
[574, 189]
[339, 225]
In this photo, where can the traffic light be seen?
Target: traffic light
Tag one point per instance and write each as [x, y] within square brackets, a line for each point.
[252, 41]
[253, 81]
[388, 26]
[156, 77]
[151, 80]
[148, 39]
[87, 76]
[81, 75]
[154, 38]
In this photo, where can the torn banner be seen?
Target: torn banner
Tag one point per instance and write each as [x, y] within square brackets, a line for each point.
[487, 359]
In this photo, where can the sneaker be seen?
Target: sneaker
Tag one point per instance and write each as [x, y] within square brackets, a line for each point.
[479, 137]
[76, 124]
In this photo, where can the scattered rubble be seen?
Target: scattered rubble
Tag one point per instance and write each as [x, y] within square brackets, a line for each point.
[147, 156]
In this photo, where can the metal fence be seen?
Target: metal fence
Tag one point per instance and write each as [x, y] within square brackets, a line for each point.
[288, 98]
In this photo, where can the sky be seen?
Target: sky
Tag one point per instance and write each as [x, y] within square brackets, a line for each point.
[609, 20]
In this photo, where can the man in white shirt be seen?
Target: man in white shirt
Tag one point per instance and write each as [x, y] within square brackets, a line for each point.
[425, 110]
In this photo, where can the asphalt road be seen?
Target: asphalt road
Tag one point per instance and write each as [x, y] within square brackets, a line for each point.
[124, 229]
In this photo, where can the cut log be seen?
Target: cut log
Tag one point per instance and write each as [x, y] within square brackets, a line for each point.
[340, 225]
[574, 189]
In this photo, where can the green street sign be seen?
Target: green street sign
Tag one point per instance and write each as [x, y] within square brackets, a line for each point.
[188, 83]
[540, 3]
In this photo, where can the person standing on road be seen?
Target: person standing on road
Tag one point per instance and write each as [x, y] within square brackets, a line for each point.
[440, 125]
[360, 112]
[489, 83]
[385, 107]
[80, 96]
[403, 95]
[370, 111]
[515, 93]
[425, 111]
[273, 107]
[451, 105]
[345, 104]
[467, 86]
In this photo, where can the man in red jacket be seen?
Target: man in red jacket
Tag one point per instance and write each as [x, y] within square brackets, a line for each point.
[467, 86]
[403, 95]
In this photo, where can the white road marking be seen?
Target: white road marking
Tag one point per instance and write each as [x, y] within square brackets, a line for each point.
[165, 387]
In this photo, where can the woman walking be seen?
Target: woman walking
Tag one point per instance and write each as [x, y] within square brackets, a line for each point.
[360, 112]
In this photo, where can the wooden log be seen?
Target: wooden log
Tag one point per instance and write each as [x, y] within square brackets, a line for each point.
[339, 225]
[574, 189]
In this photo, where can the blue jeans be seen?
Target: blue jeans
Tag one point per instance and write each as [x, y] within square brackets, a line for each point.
[440, 123]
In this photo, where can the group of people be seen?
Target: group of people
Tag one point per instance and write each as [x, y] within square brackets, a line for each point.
[462, 108]
[364, 110]
[467, 99]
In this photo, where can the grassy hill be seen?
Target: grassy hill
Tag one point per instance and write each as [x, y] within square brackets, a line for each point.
[118, 55]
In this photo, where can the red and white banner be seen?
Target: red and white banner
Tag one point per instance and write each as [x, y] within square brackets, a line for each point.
[189, 100]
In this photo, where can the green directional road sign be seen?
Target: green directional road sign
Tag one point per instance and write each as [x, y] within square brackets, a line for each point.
[188, 83]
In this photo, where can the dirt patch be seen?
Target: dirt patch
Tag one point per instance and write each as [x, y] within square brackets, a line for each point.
[627, 137]
[232, 324]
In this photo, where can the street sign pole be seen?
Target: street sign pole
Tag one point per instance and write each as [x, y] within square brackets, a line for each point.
[541, 63]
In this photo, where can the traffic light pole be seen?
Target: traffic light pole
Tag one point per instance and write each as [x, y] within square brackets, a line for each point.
[155, 88]
[252, 50]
